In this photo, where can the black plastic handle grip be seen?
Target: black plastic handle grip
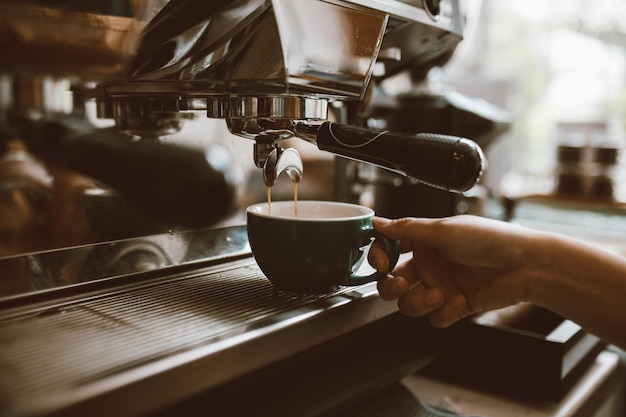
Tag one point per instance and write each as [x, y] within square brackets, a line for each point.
[448, 162]
[180, 186]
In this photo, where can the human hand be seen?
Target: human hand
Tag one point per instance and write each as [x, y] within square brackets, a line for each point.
[461, 265]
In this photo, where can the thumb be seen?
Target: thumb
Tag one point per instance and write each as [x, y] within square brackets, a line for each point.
[407, 229]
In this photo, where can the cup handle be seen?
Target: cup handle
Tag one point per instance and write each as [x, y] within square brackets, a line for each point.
[392, 250]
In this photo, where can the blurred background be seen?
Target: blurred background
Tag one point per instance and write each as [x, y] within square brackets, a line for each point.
[559, 67]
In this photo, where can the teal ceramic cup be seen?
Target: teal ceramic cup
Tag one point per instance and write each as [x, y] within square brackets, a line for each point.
[317, 250]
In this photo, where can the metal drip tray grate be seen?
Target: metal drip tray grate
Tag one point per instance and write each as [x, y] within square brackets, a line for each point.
[58, 348]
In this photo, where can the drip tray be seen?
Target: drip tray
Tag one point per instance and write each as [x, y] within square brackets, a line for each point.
[159, 340]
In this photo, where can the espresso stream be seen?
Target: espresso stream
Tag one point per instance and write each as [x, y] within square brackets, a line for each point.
[295, 199]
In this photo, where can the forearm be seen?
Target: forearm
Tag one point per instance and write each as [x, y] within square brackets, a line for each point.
[582, 283]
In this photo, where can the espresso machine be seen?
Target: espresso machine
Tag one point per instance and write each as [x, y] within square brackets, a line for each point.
[123, 291]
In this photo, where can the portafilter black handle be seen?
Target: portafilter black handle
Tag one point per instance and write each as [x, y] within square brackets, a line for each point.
[448, 162]
[179, 186]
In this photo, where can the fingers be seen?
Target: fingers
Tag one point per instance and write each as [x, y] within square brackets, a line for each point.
[417, 300]
[396, 284]
[392, 288]
[450, 312]
[441, 312]
[377, 257]
[420, 301]
[407, 229]
[435, 297]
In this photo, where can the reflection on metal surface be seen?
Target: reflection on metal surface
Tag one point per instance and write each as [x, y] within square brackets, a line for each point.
[267, 107]
[260, 47]
[65, 267]
[25, 200]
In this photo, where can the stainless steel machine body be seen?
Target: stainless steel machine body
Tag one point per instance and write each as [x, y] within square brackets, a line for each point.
[271, 69]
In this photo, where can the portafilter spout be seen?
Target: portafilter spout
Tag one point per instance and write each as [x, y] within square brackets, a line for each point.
[282, 160]
[274, 160]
